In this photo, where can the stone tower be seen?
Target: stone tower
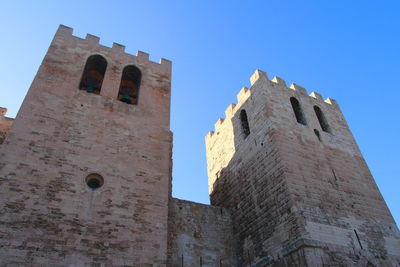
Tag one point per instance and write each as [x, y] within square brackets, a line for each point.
[287, 167]
[85, 170]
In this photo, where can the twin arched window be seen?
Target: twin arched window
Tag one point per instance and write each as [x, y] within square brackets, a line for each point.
[298, 112]
[93, 75]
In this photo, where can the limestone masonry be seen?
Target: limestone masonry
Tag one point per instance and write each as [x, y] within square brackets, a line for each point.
[85, 174]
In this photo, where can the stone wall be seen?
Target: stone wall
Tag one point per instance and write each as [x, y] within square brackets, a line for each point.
[5, 124]
[48, 214]
[199, 235]
[294, 186]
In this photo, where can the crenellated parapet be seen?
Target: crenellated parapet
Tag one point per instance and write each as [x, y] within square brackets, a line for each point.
[64, 31]
[230, 110]
[83, 66]
[301, 90]
[259, 77]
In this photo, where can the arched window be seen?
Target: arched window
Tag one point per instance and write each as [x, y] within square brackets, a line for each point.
[93, 74]
[245, 123]
[322, 120]
[298, 112]
[130, 83]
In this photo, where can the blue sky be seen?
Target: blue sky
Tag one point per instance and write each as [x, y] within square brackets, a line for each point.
[347, 50]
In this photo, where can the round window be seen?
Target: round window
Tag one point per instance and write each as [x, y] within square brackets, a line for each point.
[94, 181]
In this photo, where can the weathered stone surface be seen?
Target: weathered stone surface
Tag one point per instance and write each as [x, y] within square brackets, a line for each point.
[199, 235]
[296, 198]
[5, 124]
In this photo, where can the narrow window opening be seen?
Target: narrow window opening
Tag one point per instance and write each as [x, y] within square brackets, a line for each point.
[322, 120]
[298, 112]
[182, 260]
[317, 134]
[358, 239]
[94, 181]
[130, 83]
[201, 261]
[220, 263]
[93, 74]
[245, 123]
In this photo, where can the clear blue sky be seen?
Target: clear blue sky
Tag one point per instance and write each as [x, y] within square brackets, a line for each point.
[347, 50]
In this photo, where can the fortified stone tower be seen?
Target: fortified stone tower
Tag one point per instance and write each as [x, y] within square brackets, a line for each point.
[287, 167]
[85, 170]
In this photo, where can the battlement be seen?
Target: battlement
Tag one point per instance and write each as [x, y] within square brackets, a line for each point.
[301, 90]
[261, 76]
[65, 31]
[112, 73]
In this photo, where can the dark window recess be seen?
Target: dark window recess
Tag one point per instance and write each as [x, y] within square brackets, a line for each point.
[322, 120]
[317, 134]
[93, 74]
[245, 123]
[298, 112]
[94, 181]
[130, 83]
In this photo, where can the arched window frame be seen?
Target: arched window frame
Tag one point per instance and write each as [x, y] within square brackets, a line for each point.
[244, 123]
[93, 74]
[129, 87]
[298, 111]
[322, 119]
